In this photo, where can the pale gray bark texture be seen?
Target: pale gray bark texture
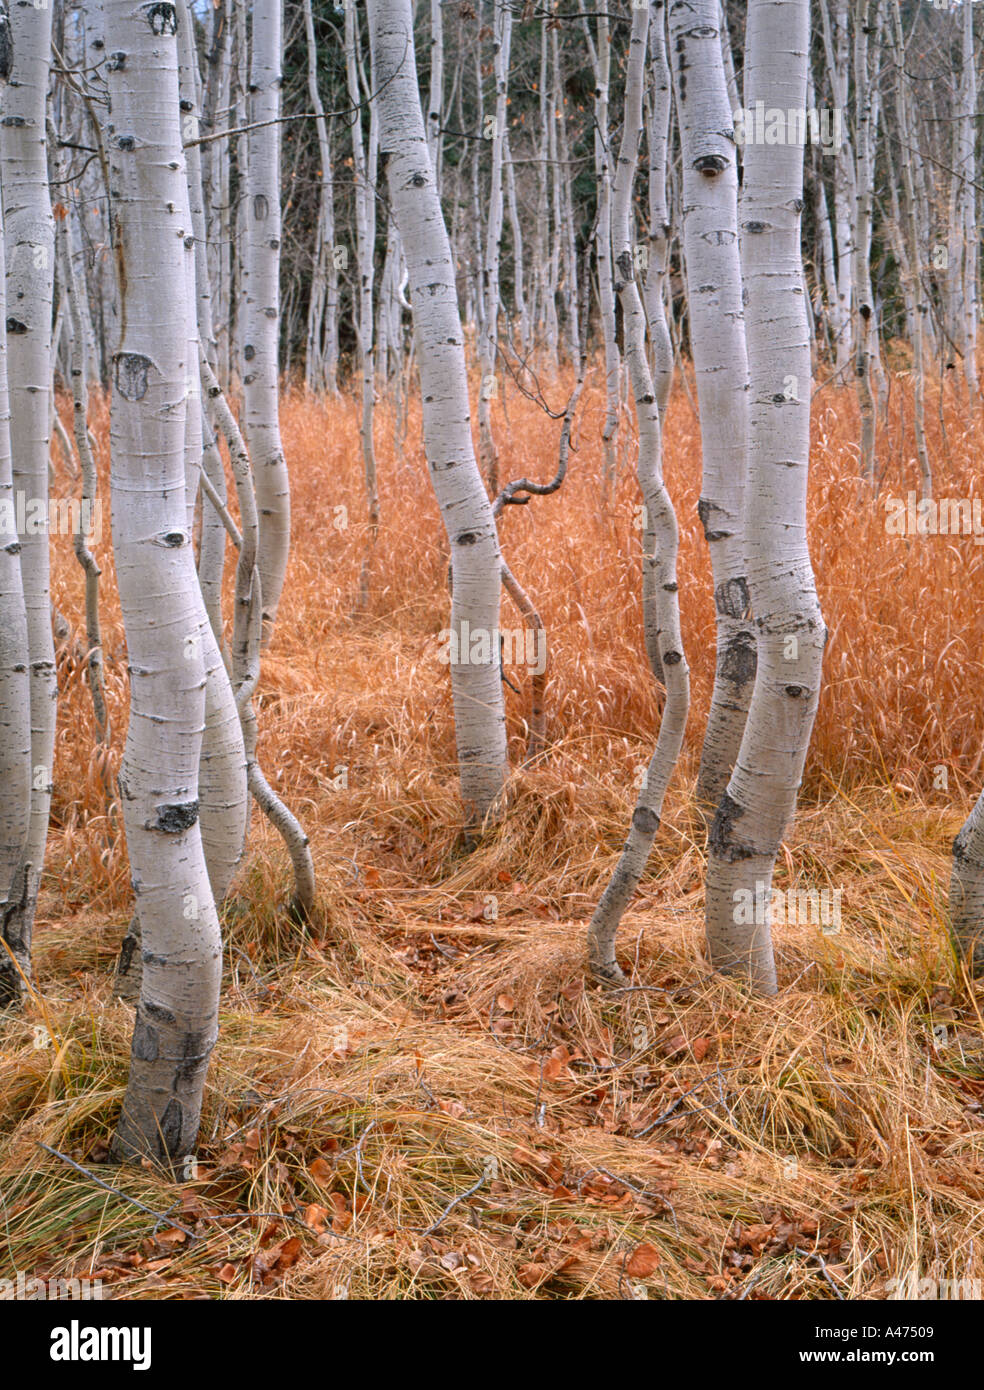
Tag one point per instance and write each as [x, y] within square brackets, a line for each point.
[261, 305]
[663, 528]
[717, 341]
[364, 162]
[761, 795]
[30, 249]
[967, 889]
[321, 358]
[658, 130]
[465, 507]
[163, 613]
[489, 340]
[15, 696]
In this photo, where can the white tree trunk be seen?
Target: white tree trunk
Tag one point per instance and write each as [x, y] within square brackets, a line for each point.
[15, 692]
[364, 169]
[30, 248]
[663, 528]
[717, 340]
[968, 248]
[321, 360]
[261, 307]
[761, 795]
[967, 889]
[465, 507]
[601, 59]
[490, 261]
[163, 613]
[657, 269]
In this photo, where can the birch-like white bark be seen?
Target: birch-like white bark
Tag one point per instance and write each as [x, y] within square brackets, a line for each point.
[837, 50]
[261, 305]
[967, 889]
[761, 795]
[488, 342]
[321, 359]
[601, 59]
[464, 503]
[30, 249]
[657, 269]
[914, 258]
[15, 693]
[717, 339]
[663, 525]
[866, 335]
[163, 613]
[364, 160]
[968, 248]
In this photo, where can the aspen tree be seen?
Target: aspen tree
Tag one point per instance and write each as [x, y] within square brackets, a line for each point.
[662, 521]
[163, 613]
[261, 304]
[30, 246]
[223, 794]
[364, 160]
[836, 47]
[717, 341]
[600, 54]
[913, 257]
[761, 794]
[465, 507]
[967, 889]
[865, 73]
[321, 358]
[657, 268]
[489, 341]
[965, 241]
[15, 693]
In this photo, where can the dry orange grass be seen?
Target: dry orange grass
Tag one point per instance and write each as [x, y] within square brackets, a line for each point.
[424, 1098]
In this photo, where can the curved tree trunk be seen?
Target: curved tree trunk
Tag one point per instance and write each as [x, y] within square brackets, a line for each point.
[465, 507]
[663, 526]
[177, 1016]
[761, 795]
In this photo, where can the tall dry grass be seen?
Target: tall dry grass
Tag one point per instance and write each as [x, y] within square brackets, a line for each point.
[676, 1139]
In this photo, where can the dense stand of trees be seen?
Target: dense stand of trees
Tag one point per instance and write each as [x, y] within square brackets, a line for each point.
[451, 197]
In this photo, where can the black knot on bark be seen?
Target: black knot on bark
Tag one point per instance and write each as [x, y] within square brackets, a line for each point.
[132, 370]
[467, 538]
[645, 821]
[175, 818]
[710, 164]
[6, 48]
[162, 19]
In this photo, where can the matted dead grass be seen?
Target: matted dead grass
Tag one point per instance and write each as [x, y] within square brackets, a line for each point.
[424, 1098]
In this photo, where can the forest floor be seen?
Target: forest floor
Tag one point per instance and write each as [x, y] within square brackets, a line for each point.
[421, 1095]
